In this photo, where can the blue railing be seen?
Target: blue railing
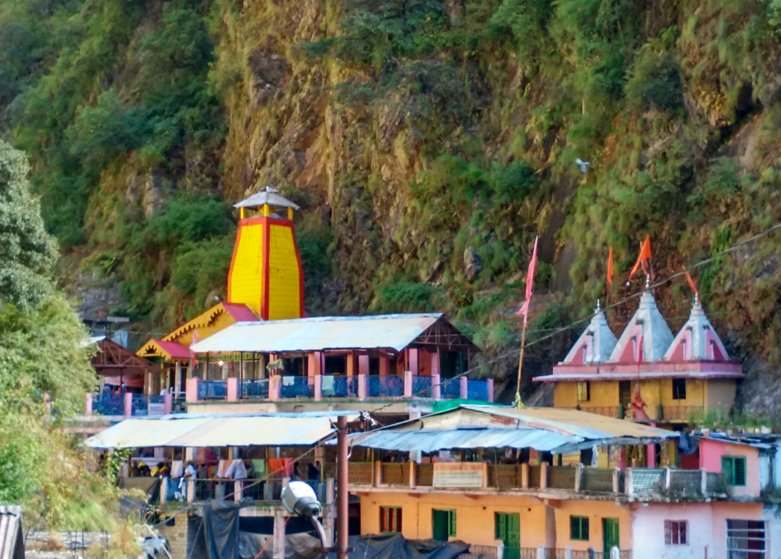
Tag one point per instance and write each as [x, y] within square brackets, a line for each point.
[254, 389]
[212, 390]
[338, 387]
[108, 404]
[389, 386]
[139, 405]
[477, 390]
[297, 387]
[421, 387]
[450, 389]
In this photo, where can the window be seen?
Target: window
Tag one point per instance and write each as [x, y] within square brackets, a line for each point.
[676, 532]
[584, 391]
[578, 528]
[734, 469]
[746, 539]
[390, 519]
[679, 389]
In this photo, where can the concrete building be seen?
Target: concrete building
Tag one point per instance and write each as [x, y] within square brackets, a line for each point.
[647, 373]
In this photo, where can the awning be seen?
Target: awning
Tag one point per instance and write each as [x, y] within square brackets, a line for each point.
[543, 429]
[431, 441]
[389, 332]
[184, 431]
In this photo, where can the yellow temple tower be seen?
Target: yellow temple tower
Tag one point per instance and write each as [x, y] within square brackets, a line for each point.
[265, 270]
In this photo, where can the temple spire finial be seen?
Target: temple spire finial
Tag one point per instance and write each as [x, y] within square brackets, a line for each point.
[599, 307]
[647, 281]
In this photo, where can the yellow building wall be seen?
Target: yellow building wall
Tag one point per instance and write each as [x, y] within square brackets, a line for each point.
[605, 394]
[284, 274]
[475, 521]
[245, 279]
[595, 511]
[720, 395]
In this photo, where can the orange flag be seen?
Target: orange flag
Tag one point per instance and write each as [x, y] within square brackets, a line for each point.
[643, 258]
[609, 268]
[690, 281]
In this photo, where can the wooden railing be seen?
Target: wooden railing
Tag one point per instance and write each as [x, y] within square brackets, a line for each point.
[636, 483]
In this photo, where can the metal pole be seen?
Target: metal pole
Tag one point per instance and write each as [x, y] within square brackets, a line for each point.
[341, 488]
[518, 402]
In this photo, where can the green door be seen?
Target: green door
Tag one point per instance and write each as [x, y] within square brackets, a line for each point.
[508, 529]
[610, 534]
[443, 524]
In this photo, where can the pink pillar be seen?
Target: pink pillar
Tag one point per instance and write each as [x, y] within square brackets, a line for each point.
[191, 390]
[384, 365]
[363, 364]
[434, 362]
[464, 386]
[274, 386]
[362, 386]
[650, 455]
[408, 384]
[413, 363]
[88, 403]
[318, 388]
[128, 404]
[168, 403]
[436, 389]
[232, 389]
[621, 459]
[314, 368]
[490, 389]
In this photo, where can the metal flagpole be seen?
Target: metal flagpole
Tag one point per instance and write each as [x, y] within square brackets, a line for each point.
[518, 403]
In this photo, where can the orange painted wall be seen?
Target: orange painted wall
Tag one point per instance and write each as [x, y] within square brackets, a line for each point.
[475, 517]
[595, 511]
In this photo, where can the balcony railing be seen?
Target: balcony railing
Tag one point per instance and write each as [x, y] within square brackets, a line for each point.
[634, 483]
[564, 553]
[360, 387]
[127, 404]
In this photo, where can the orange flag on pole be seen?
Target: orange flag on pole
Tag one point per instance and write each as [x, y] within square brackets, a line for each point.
[609, 269]
[643, 258]
[690, 281]
[524, 310]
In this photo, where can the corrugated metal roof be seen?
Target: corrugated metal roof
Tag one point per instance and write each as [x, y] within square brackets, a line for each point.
[391, 331]
[427, 440]
[11, 539]
[202, 430]
[269, 195]
[544, 429]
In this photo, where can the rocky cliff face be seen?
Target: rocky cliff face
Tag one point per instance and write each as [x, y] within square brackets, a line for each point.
[428, 142]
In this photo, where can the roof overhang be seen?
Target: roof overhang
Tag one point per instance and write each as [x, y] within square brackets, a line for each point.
[221, 430]
[168, 351]
[581, 377]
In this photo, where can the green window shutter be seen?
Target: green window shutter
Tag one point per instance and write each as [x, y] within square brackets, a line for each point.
[452, 523]
[739, 470]
[726, 468]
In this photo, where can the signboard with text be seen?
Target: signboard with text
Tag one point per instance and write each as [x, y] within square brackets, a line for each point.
[459, 474]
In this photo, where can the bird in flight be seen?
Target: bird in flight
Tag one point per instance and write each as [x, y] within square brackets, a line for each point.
[582, 165]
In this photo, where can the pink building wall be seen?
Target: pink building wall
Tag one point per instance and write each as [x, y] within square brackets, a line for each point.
[706, 529]
[711, 452]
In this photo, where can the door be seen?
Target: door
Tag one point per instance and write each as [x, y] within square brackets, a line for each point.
[610, 534]
[508, 529]
[443, 524]
[624, 396]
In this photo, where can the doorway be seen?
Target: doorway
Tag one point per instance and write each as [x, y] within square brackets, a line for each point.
[610, 535]
[508, 529]
[443, 524]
